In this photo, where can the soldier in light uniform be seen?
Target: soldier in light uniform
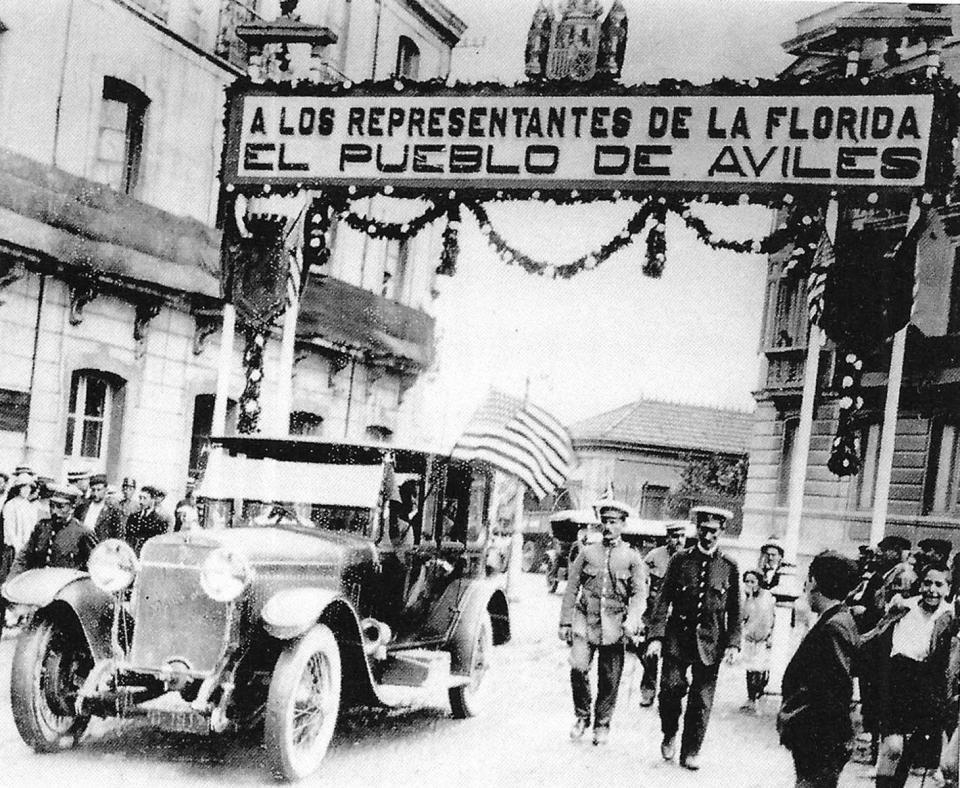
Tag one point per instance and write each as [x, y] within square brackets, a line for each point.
[657, 561]
[695, 624]
[603, 605]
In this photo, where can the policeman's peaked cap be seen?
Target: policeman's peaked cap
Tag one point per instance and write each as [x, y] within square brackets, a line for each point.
[612, 505]
[706, 514]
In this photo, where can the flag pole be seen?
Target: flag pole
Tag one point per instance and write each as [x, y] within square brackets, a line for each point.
[218, 424]
[891, 408]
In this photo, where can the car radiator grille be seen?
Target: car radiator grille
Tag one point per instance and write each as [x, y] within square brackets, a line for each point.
[176, 622]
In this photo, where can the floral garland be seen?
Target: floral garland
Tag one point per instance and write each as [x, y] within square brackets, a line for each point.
[248, 421]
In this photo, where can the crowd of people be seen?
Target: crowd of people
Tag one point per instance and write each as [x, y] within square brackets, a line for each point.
[46, 523]
[886, 640]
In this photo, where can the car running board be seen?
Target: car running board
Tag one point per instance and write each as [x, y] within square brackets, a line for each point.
[417, 668]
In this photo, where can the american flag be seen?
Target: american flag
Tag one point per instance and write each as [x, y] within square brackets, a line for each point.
[520, 439]
[290, 212]
[823, 258]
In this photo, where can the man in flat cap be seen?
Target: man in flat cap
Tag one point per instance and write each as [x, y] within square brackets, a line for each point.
[148, 521]
[99, 515]
[80, 479]
[602, 606]
[695, 625]
[657, 561]
[769, 563]
[58, 540]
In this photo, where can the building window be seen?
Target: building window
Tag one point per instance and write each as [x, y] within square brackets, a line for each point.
[306, 424]
[395, 260]
[120, 144]
[202, 425]
[408, 59]
[94, 415]
[941, 494]
[869, 459]
[789, 324]
[788, 448]
[653, 501]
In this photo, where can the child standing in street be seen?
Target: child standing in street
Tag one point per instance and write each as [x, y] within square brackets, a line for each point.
[758, 612]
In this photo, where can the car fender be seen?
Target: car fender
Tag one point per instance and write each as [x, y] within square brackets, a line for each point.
[289, 613]
[463, 607]
[60, 591]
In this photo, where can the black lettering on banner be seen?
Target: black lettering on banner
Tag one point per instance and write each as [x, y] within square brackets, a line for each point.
[758, 166]
[284, 128]
[799, 171]
[847, 121]
[283, 164]
[534, 124]
[659, 122]
[900, 163]
[308, 118]
[435, 122]
[796, 131]
[847, 162]
[498, 121]
[465, 158]
[500, 169]
[257, 125]
[740, 128]
[456, 121]
[713, 131]
[518, 114]
[726, 163]
[475, 128]
[882, 123]
[354, 153]
[579, 113]
[251, 155]
[822, 122]
[374, 119]
[598, 122]
[605, 159]
[678, 129]
[420, 162]
[395, 118]
[621, 122]
[397, 166]
[908, 125]
[556, 119]
[325, 121]
[415, 118]
[774, 116]
[550, 154]
[355, 121]
[642, 159]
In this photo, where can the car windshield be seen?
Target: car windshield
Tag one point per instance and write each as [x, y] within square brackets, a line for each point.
[260, 514]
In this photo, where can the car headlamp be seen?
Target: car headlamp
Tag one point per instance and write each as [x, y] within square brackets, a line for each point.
[224, 574]
[113, 565]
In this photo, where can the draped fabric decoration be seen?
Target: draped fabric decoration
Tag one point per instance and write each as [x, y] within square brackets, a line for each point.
[451, 242]
[867, 298]
[657, 242]
[248, 421]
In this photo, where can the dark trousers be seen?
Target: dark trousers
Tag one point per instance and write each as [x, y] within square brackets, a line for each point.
[651, 669]
[609, 668]
[757, 683]
[699, 691]
[819, 767]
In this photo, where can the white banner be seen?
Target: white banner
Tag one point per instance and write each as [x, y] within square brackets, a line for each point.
[615, 142]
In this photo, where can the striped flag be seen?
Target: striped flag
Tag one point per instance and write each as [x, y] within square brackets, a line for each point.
[286, 211]
[823, 258]
[520, 439]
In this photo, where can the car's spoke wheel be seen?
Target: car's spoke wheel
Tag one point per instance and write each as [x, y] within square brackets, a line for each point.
[50, 664]
[302, 704]
[469, 699]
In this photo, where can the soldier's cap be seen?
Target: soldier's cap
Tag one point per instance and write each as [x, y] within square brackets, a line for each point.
[129, 481]
[23, 469]
[612, 505]
[774, 543]
[63, 493]
[153, 491]
[711, 516]
[894, 542]
[98, 478]
[76, 474]
[937, 545]
[24, 478]
[676, 528]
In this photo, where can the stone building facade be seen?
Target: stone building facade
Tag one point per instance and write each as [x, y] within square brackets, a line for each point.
[110, 143]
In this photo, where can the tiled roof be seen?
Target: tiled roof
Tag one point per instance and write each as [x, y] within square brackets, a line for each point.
[649, 423]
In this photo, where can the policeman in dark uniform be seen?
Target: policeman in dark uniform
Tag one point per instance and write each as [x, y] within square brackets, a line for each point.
[59, 540]
[695, 623]
[602, 606]
[149, 521]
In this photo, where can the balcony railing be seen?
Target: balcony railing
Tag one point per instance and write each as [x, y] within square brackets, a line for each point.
[228, 45]
[785, 368]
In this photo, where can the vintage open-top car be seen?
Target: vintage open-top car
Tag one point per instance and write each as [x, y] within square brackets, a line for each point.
[327, 575]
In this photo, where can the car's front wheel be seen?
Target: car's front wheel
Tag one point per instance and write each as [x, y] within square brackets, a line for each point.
[302, 704]
[467, 700]
[50, 663]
